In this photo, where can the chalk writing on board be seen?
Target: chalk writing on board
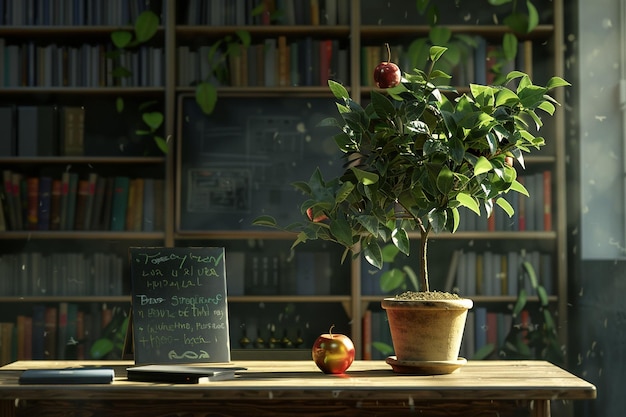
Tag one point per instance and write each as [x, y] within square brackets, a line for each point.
[179, 305]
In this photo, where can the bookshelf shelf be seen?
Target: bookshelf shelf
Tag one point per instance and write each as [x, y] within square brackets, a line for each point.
[489, 31]
[82, 235]
[80, 91]
[186, 32]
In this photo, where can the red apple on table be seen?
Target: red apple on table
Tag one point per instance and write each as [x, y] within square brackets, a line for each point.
[333, 353]
[387, 74]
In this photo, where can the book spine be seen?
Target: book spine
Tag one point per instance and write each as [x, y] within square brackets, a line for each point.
[121, 187]
[45, 203]
[32, 187]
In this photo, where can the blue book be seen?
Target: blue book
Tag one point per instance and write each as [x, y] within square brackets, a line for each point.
[121, 185]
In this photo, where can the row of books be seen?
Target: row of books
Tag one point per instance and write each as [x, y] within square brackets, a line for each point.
[478, 63]
[35, 274]
[496, 274]
[532, 213]
[484, 329]
[54, 331]
[267, 12]
[70, 12]
[42, 130]
[304, 273]
[274, 62]
[479, 273]
[71, 202]
[88, 65]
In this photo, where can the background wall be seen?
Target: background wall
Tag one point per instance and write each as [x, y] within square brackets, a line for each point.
[597, 269]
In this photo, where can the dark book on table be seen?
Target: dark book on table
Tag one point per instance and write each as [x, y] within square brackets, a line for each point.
[181, 374]
[67, 376]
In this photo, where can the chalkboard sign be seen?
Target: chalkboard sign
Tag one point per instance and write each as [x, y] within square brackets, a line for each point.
[240, 161]
[180, 312]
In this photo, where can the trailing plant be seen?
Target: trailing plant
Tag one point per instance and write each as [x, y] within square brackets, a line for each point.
[144, 29]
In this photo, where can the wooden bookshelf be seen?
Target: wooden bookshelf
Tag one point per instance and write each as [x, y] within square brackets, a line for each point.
[350, 35]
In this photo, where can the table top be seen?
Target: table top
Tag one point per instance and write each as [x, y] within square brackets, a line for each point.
[505, 380]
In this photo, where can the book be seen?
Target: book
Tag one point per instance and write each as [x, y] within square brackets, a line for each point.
[18, 203]
[8, 145]
[62, 330]
[36, 131]
[67, 376]
[72, 142]
[181, 374]
[11, 209]
[50, 333]
[148, 211]
[81, 204]
[39, 314]
[119, 206]
[32, 189]
[55, 205]
[98, 204]
[547, 200]
[44, 203]
[72, 197]
[92, 181]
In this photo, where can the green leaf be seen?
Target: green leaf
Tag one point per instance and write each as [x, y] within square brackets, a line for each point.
[436, 52]
[506, 97]
[422, 5]
[340, 228]
[466, 200]
[373, 254]
[244, 37]
[206, 97]
[119, 104]
[509, 46]
[400, 239]
[555, 82]
[101, 348]
[543, 295]
[391, 280]
[383, 348]
[482, 166]
[121, 38]
[382, 106]
[365, 177]
[533, 16]
[483, 352]
[506, 206]
[153, 119]
[161, 144]
[338, 90]
[265, 221]
[445, 180]
[520, 303]
[146, 26]
[519, 187]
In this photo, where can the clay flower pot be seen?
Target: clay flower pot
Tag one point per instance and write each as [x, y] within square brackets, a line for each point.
[426, 334]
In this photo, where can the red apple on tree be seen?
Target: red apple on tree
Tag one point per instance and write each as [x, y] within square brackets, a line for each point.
[387, 74]
[333, 353]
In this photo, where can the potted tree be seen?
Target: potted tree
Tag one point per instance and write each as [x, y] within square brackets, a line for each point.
[413, 157]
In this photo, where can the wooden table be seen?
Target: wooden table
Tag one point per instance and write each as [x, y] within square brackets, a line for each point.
[298, 388]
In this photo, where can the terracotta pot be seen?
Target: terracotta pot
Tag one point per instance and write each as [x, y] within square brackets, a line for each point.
[427, 331]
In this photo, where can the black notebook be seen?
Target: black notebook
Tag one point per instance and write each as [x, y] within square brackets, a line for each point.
[181, 374]
[68, 376]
